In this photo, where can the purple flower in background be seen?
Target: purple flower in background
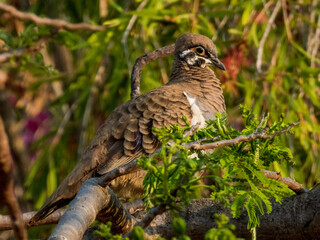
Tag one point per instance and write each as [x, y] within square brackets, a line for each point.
[36, 127]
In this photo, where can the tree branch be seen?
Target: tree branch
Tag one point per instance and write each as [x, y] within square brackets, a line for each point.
[141, 62]
[48, 21]
[7, 195]
[296, 218]
[83, 209]
[7, 224]
[6, 56]
[127, 31]
[293, 185]
[97, 84]
[241, 138]
[286, 20]
[265, 35]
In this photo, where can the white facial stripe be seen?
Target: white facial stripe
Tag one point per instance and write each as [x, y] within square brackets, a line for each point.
[184, 53]
[193, 60]
[197, 115]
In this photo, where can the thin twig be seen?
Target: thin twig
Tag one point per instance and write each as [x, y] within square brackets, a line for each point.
[256, 135]
[164, 75]
[220, 24]
[57, 23]
[117, 172]
[65, 120]
[192, 130]
[153, 212]
[127, 31]
[141, 62]
[266, 7]
[286, 20]
[260, 123]
[265, 35]
[293, 185]
[313, 9]
[316, 43]
[208, 139]
[6, 56]
[96, 85]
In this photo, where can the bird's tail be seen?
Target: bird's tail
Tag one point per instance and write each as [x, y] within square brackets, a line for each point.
[72, 183]
[61, 197]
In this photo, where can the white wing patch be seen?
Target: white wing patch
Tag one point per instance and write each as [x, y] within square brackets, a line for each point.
[197, 115]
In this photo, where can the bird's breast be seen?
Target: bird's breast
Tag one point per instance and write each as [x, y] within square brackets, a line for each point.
[200, 114]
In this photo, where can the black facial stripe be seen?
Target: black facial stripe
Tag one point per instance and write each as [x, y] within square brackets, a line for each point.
[199, 61]
[194, 59]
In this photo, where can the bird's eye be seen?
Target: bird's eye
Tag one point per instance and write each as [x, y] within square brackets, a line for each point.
[200, 50]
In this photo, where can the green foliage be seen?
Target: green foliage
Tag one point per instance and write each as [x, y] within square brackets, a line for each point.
[180, 228]
[60, 76]
[137, 233]
[179, 175]
[224, 230]
[105, 232]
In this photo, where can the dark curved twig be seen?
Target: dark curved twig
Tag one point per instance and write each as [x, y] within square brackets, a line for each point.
[141, 62]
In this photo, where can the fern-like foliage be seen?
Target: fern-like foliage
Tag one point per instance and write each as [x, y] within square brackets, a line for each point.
[176, 172]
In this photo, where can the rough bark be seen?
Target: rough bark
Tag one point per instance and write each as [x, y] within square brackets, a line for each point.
[82, 211]
[7, 195]
[298, 217]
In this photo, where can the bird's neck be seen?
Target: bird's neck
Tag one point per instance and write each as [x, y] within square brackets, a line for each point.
[183, 73]
[199, 83]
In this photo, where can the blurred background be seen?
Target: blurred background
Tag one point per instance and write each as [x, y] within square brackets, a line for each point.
[59, 85]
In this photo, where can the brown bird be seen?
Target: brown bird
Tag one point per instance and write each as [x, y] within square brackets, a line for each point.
[192, 91]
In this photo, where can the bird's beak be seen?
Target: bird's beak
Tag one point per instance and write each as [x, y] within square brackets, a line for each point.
[215, 61]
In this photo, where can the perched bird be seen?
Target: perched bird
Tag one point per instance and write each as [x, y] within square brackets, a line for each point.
[192, 91]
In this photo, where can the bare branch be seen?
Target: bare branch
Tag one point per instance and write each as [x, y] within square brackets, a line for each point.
[286, 20]
[293, 185]
[193, 130]
[48, 21]
[7, 224]
[220, 24]
[265, 35]
[127, 31]
[241, 138]
[296, 218]
[151, 215]
[7, 195]
[315, 43]
[6, 56]
[56, 139]
[117, 172]
[96, 85]
[141, 62]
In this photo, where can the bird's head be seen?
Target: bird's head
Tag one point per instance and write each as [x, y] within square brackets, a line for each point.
[197, 50]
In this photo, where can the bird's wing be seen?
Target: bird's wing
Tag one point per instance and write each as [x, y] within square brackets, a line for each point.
[124, 136]
[163, 106]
